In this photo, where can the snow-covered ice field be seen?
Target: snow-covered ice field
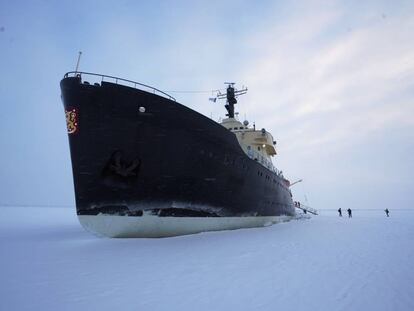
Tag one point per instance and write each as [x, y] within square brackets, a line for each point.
[48, 262]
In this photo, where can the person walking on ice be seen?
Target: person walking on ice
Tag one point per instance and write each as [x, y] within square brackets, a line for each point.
[387, 212]
[349, 213]
[340, 212]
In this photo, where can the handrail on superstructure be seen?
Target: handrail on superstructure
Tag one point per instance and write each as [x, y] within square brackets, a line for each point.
[80, 73]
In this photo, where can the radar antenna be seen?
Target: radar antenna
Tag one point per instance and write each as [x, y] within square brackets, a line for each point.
[231, 95]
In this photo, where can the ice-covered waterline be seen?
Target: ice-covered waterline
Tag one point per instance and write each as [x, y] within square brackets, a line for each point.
[48, 262]
[157, 227]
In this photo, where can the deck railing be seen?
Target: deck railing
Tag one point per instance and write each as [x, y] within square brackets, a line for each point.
[121, 81]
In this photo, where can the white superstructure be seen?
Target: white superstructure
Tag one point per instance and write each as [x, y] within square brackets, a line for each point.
[257, 144]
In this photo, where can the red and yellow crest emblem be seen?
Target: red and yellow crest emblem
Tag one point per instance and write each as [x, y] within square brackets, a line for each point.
[72, 120]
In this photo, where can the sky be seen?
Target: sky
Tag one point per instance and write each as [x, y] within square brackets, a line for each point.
[333, 81]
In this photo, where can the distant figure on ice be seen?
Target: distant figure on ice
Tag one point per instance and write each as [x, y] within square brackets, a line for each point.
[387, 212]
[349, 213]
[340, 212]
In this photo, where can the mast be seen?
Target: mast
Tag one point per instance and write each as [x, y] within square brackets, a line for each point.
[77, 64]
[231, 95]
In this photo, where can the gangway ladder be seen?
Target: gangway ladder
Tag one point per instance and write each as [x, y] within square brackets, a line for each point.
[305, 208]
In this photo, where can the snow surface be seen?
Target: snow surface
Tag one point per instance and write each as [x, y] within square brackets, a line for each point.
[48, 262]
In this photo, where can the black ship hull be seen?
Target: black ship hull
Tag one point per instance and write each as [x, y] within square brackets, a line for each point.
[140, 156]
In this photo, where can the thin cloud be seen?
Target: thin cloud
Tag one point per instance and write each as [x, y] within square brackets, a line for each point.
[330, 87]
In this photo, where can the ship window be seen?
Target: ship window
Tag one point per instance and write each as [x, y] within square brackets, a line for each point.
[258, 148]
[230, 129]
[236, 128]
